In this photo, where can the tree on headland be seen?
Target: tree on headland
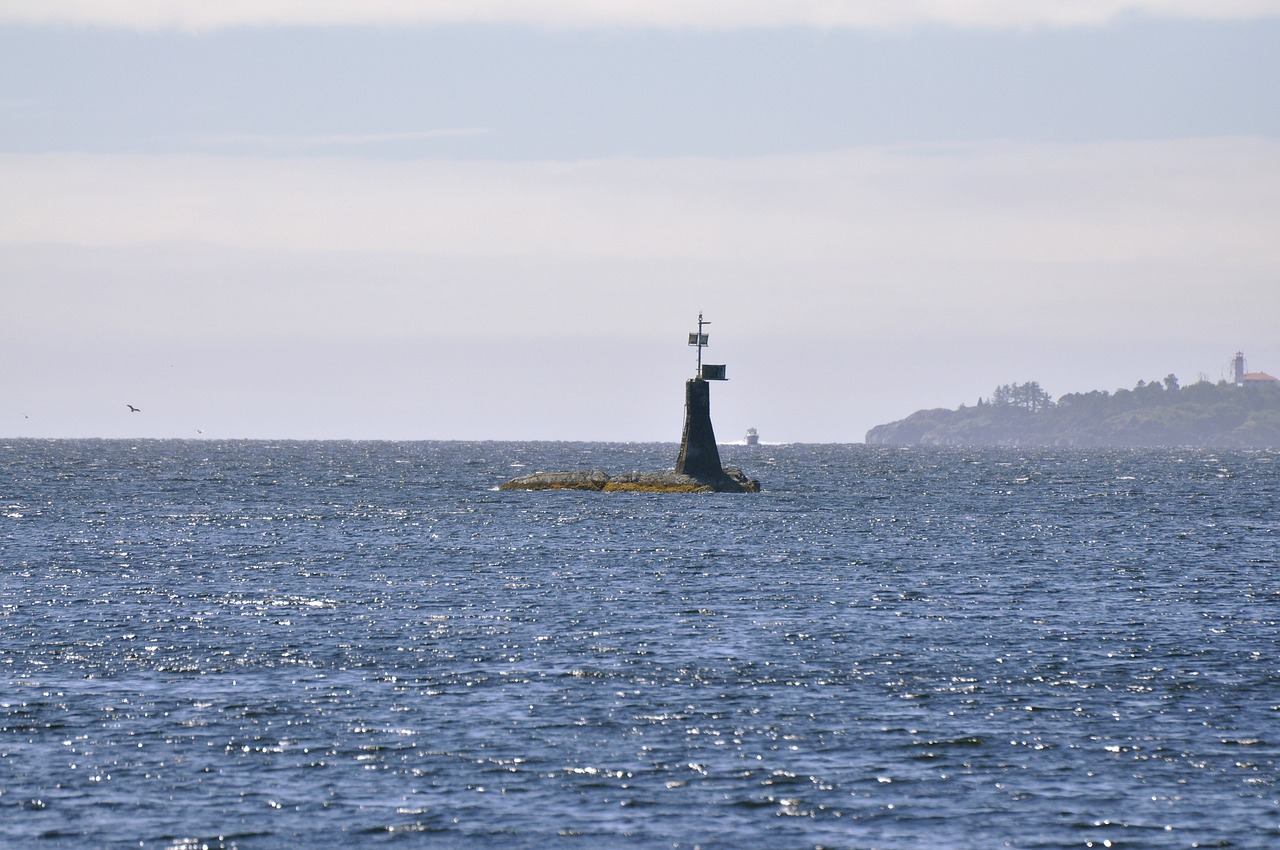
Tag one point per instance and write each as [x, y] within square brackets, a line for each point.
[1155, 413]
[1029, 396]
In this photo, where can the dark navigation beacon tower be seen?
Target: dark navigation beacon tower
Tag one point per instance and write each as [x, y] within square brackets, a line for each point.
[699, 456]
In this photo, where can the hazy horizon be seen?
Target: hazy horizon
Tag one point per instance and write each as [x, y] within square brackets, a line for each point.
[500, 220]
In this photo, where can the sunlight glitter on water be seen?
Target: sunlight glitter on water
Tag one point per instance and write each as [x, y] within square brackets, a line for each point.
[887, 648]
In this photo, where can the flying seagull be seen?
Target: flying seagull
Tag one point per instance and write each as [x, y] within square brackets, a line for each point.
[133, 409]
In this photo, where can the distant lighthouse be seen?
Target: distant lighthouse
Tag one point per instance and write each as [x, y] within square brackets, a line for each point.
[1243, 378]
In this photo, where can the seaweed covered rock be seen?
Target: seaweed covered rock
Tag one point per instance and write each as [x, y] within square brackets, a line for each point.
[594, 480]
[729, 481]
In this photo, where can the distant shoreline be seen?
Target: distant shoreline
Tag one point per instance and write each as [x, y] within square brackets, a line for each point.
[1160, 414]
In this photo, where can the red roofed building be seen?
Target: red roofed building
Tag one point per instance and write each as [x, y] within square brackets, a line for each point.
[1241, 378]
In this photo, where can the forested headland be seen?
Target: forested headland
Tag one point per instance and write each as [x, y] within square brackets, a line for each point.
[1156, 414]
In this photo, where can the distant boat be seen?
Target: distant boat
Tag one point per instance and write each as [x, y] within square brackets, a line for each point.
[753, 438]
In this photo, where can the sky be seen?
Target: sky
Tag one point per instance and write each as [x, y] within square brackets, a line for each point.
[500, 219]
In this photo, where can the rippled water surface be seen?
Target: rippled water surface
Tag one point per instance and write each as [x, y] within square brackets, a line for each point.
[255, 644]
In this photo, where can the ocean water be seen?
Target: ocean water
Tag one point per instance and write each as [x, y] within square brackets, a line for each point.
[274, 644]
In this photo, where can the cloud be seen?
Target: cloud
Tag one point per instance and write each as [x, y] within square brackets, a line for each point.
[334, 140]
[847, 288]
[197, 15]
[1214, 200]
